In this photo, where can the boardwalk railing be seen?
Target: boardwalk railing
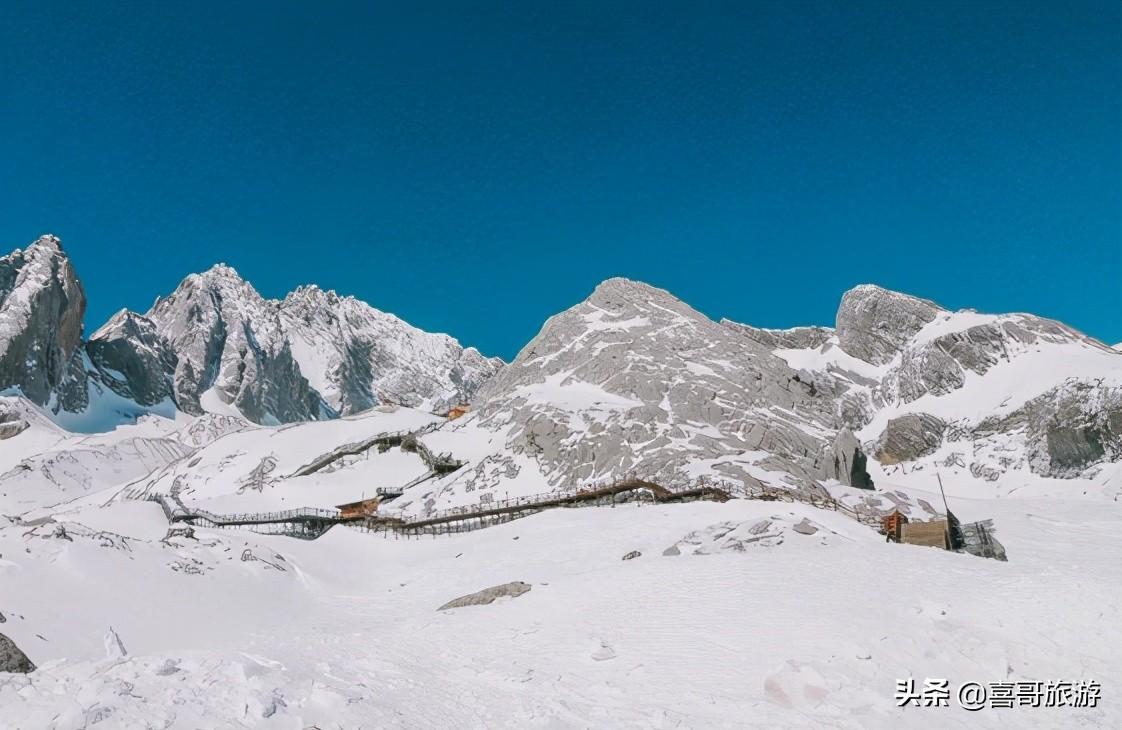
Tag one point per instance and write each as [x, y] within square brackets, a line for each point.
[312, 522]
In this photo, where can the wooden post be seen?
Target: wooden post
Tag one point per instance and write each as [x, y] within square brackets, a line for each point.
[947, 530]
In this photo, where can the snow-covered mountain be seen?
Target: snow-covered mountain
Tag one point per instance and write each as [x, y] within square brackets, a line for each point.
[986, 394]
[190, 627]
[634, 381]
[357, 356]
[216, 345]
[41, 310]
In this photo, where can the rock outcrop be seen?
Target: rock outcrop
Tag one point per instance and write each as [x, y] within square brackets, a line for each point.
[909, 437]
[133, 360]
[874, 324]
[796, 338]
[12, 659]
[1067, 430]
[314, 355]
[488, 595]
[41, 310]
[12, 423]
[1013, 391]
[230, 343]
[845, 462]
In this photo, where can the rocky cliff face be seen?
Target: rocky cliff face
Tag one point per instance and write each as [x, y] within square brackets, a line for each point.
[359, 356]
[632, 380]
[216, 345]
[232, 347]
[314, 355]
[985, 394]
[794, 338]
[133, 360]
[874, 323]
[41, 310]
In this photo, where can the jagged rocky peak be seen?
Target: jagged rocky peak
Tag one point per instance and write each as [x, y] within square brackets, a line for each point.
[313, 295]
[359, 356]
[204, 298]
[633, 378]
[232, 350]
[132, 359]
[314, 354]
[41, 310]
[873, 324]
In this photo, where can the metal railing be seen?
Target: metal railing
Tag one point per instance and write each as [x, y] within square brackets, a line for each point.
[464, 518]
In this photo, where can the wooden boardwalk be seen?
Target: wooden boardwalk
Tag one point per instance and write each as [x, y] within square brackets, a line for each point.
[310, 523]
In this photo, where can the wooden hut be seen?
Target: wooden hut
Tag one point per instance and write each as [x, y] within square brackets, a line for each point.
[931, 534]
[358, 510]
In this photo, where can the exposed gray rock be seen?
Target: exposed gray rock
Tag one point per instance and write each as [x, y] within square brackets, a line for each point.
[844, 461]
[796, 338]
[668, 385]
[1068, 429]
[804, 527]
[12, 659]
[41, 310]
[227, 337]
[488, 595]
[132, 359]
[909, 437]
[262, 356]
[12, 422]
[632, 555]
[216, 335]
[13, 428]
[940, 365]
[374, 357]
[168, 668]
[874, 324]
[603, 653]
[672, 551]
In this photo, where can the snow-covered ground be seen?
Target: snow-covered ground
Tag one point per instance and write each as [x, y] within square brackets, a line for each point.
[752, 624]
[742, 614]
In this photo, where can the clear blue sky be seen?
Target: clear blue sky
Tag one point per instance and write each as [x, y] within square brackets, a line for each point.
[475, 168]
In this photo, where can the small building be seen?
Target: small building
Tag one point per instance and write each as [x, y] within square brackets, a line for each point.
[456, 411]
[931, 534]
[360, 509]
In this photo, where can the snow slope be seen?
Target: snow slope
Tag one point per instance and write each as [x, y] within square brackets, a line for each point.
[252, 470]
[784, 631]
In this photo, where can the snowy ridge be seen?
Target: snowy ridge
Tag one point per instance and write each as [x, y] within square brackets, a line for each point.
[985, 396]
[216, 345]
[634, 381]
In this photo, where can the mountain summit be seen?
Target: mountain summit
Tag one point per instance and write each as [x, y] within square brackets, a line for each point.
[216, 345]
[41, 310]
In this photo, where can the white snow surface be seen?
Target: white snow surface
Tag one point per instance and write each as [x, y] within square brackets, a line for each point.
[751, 625]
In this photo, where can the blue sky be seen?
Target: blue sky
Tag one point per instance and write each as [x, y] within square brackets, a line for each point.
[477, 168]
